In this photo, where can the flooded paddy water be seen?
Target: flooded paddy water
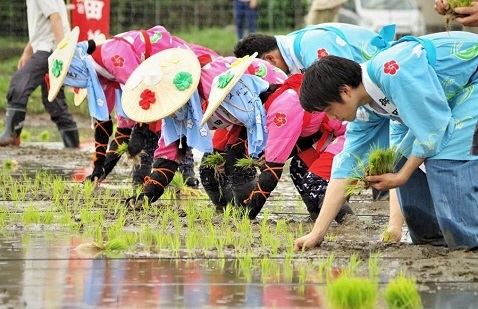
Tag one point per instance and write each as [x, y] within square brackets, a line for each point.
[65, 245]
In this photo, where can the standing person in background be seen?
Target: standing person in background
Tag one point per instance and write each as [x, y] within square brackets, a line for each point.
[323, 11]
[245, 11]
[47, 25]
[471, 20]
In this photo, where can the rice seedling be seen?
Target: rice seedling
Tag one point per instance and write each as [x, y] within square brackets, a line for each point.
[25, 136]
[373, 268]
[10, 165]
[47, 217]
[180, 184]
[88, 188]
[44, 136]
[388, 236]
[354, 263]
[450, 15]
[31, 215]
[215, 161]
[248, 162]
[351, 293]
[380, 161]
[122, 148]
[401, 293]
[117, 244]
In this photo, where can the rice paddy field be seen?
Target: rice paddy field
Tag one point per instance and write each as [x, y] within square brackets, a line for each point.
[65, 244]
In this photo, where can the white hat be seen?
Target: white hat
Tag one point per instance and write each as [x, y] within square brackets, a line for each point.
[223, 84]
[161, 85]
[60, 62]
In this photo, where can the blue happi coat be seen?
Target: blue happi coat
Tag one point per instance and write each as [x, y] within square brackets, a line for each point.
[428, 84]
[302, 47]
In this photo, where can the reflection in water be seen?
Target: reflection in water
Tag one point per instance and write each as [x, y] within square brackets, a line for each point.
[47, 272]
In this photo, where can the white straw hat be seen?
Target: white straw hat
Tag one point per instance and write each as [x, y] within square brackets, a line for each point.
[222, 84]
[60, 62]
[161, 85]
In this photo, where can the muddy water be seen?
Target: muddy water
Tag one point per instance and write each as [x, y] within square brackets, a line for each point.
[41, 268]
[45, 271]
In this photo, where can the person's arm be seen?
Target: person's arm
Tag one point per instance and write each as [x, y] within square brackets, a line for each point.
[253, 4]
[57, 27]
[333, 202]
[26, 55]
[394, 180]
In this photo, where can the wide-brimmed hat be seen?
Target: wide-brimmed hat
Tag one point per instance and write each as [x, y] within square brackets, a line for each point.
[161, 85]
[60, 61]
[223, 84]
[80, 95]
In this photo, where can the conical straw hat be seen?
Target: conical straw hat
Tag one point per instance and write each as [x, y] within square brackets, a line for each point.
[222, 84]
[61, 61]
[80, 95]
[161, 85]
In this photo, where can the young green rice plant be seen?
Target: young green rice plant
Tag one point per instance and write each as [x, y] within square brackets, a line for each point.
[215, 161]
[47, 217]
[122, 148]
[450, 15]
[401, 293]
[44, 136]
[31, 215]
[248, 162]
[116, 244]
[180, 184]
[351, 293]
[380, 161]
[387, 235]
[354, 263]
[146, 235]
[373, 268]
[10, 165]
[25, 136]
[88, 188]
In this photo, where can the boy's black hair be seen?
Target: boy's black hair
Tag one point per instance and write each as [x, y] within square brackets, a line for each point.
[255, 42]
[324, 79]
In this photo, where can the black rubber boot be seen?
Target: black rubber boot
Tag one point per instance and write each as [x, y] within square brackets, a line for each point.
[13, 126]
[71, 138]
[187, 169]
[215, 185]
[122, 135]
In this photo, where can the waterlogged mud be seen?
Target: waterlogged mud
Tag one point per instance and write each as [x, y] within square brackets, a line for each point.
[359, 235]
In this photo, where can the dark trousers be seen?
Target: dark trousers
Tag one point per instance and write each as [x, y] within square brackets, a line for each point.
[27, 79]
[243, 14]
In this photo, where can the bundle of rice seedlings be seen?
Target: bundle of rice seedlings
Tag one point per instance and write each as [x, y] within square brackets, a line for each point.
[215, 161]
[450, 15]
[122, 148]
[181, 186]
[248, 162]
[401, 293]
[351, 293]
[380, 161]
